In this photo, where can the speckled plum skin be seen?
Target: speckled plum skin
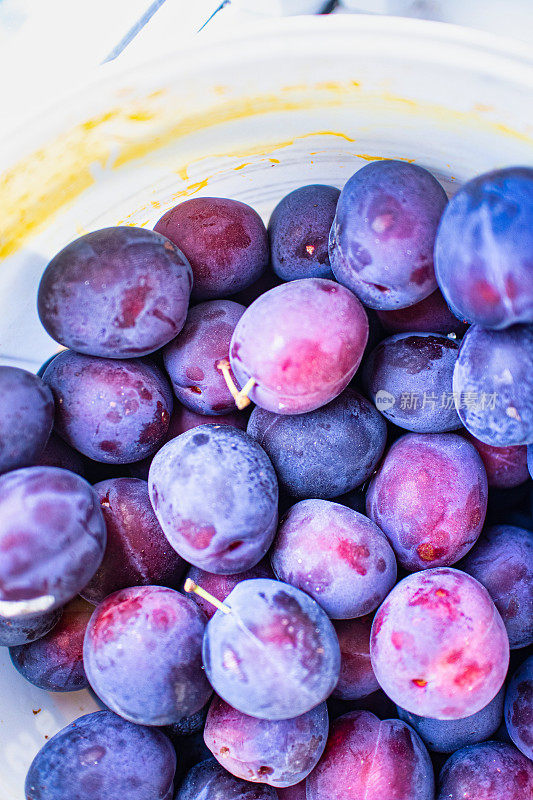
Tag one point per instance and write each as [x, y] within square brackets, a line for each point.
[55, 662]
[111, 411]
[506, 467]
[137, 551]
[209, 781]
[430, 315]
[483, 249]
[57, 453]
[278, 753]
[22, 630]
[215, 494]
[276, 655]
[486, 771]
[368, 757]
[224, 240]
[220, 586]
[119, 292]
[26, 417]
[502, 560]
[336, 555]
[298, 231]
[191, 358]
[52, 538]
[381, 241]
[281, 343]
[429, 497]
[519, 708]
[101, 755]
[326, 452]
[447, 736]
[357, 679]
[493, 377]
[438, 645]
[416, 372]
[296, 792]
[142, 655]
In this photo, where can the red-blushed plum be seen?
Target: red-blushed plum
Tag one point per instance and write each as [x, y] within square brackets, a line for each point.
[209, 781]
[52, 539]
[111, 411]
[118, 292]
[103, 756]
[220, 586]
[336, 555]
[483, 249]
[486, 771]
[280, 342]
[377, 759]
[137, 551]
[296, 792]
[502, 560]
[224, 240]
[519, 708]
[272, 653]
[55, 662]
[381, 241]
[21, 630]
[326, 452]
[493, 384]
[357, 677]
[26, 417]
[430, 315]
[57, 453]
[438, 645]
[299, 232]
[142, 655]
[429, 497]
[191, 358]
[215, 494]
[409, 378]
[277, 752]
[449, 735]
[506, 467]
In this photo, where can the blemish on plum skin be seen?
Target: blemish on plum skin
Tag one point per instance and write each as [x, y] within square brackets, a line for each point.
[420, 682]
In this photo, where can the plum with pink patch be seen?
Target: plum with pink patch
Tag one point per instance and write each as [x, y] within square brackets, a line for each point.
[279, 753]
[297, 364]
[336, 555]
[429, 497]
[519, 708]
[486, 771]
[142, 655]
[275, 654]
[438, 646]
[368, 757]
[191, 358]
[111, 411]
[118, 292]
[209, 781]
[506, 467]
[430, 315]
[137, 551]
[220, 586]
[502, 560]
[357, 679]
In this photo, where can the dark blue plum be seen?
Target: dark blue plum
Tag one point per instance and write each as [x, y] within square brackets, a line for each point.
[111, 411]
[381, 241]
[483, 249]
[57, 453]
[486, 771]
[275, 654]
[209, 781]
[493, 385]
[430, 315]
[447, 736]
[191, 358]
[102, 756]
[224, 240]
[277, 752]
[26, 417]
[142, 655]
[118, 292]
[21, 630]
[52, 538]
[326, 452]
[409, 378]
[186, 726]
[299, 231]
[215, 494]
[519, 708]
[530, 459]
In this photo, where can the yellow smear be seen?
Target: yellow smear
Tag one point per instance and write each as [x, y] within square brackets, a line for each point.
[242, 166]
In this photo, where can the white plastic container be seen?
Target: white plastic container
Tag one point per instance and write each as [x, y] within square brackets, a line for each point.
[281, 105]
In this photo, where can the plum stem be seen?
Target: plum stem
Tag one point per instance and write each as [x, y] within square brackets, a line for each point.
[239, 395]
[191, 586]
